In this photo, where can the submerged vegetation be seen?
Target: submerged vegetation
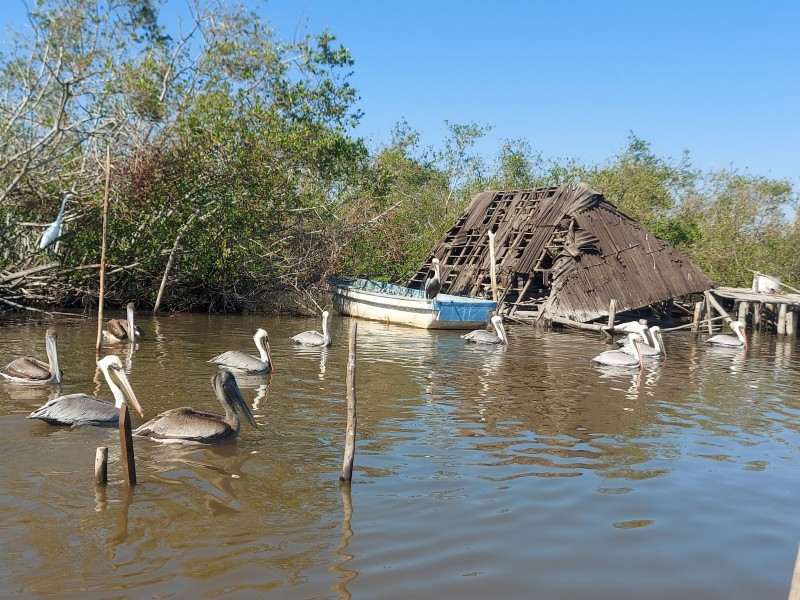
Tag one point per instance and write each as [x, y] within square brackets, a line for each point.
[236, 183]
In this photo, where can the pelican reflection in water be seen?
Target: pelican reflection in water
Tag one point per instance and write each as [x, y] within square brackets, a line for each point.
[241, 362]
[187, 425]
[83, 409]
[315, 338]
[30, 369]
[122, 330]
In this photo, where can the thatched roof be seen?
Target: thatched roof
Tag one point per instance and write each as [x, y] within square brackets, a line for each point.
[560, 252]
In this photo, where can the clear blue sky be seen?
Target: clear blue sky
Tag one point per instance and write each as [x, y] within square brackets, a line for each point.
[574, 78]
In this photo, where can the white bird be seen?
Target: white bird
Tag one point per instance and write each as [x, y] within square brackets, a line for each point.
[83, 409]
[656, 349]
[241, 362]
[54, 229]
[119, 330]
[187, 425]
[434, 283]
[30, 369]
[481, 336]
[315, 338]
[618, 358]
[730, 341]
[639, 327]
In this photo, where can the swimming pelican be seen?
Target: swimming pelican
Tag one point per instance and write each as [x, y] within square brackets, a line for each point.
[30, 369]
[434, 283]
[54, 229]
[618, 358]
[241, 362]
[730, 341]
[119, 330]
[315, 338]
[655, 349]
[186, 425]
[639, 327]
[83, 409]
[481, 336]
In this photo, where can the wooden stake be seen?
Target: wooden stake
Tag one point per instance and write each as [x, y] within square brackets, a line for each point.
[350, 433]
[101, 299]
[492, 267]
[794, 591]
[791, 326]
[612, 313]
[101, 465]
[744, 307]
[126, 445]
[698, 312]
[782, 320]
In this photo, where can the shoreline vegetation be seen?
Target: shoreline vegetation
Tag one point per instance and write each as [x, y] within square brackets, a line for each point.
[236, 181]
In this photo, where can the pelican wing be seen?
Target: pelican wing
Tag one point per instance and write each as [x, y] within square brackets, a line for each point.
[186, 424]
[481, 336]
[118, 328]
[235, 360]
[28, 367]
[616, 358]
[309, 338]
[724, 340]
[77, 409]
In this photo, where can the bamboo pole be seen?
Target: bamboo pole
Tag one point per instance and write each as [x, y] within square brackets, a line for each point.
[612, 313]
[492, 267]
[698, 312]
[126, 445]
[350, 433]
[794, 591]
[101, 299]
[101, 465]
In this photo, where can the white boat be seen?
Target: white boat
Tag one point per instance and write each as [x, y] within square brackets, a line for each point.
[392, 303]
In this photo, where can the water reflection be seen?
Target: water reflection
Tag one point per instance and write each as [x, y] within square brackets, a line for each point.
[461, 453]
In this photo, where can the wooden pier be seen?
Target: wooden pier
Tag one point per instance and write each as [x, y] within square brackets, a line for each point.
[773, 311]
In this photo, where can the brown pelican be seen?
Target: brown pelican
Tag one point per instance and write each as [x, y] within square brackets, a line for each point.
[315, 338]
[653, 350]
[186, 425]
[241, 362]
[481, 336]
[82, 409]
[434, 283]
[30, 369]
[730, 341]
[618, 358]
[119, 330]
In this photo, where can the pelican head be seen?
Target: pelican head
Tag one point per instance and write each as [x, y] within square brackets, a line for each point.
[112, 364]
[497, 321]
[227, 390]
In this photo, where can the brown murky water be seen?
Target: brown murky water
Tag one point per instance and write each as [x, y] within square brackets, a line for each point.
[526, 473]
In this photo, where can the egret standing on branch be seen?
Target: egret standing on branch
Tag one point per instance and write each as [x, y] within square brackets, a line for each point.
[54, 229]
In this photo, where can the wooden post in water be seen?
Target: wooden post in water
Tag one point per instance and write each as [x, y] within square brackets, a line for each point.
[126, 445]
[709, 313]
[718, 307]
[794, 590]
[791, 322]
[698, 312]
[612, 312]
[101, 299]
[757, 316]
[782, 320]
[492, 268]
[101, 465]
[744, 306]
[350, 433]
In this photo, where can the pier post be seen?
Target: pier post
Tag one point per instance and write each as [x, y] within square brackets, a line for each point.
[126, 445]
[350, 432]
[791, 322]
[101, 465]
[782, 320]
[744, 308]
[698, 312]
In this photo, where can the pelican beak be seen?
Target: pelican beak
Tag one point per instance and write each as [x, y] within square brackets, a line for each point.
[233, 393]
[123, 379]
[269, 357]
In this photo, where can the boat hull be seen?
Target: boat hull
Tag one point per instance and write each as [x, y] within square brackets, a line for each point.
[390, 303]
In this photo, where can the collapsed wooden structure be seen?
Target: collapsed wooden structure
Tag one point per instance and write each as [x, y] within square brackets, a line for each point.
[561, 254]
